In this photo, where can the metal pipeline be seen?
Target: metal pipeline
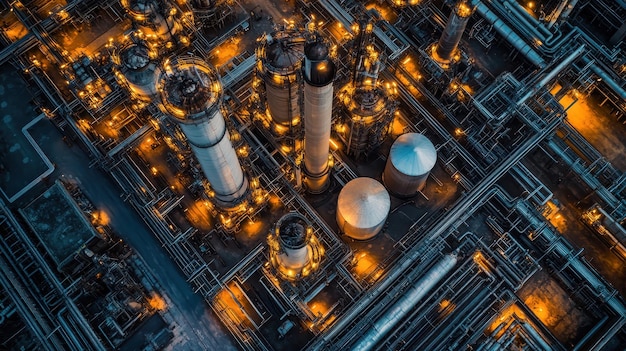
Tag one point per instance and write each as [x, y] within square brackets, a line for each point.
[405, 304]
[545, 80]
[614, 85]
[565, 14]
[515, 40]
[530, 22]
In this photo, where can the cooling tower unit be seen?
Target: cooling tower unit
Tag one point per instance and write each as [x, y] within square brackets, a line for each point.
[411, 159]
[294, 251]
[140, 71]
[280, 60]
[191, 94]
[319, 72]
[362, 208]
[451, 36]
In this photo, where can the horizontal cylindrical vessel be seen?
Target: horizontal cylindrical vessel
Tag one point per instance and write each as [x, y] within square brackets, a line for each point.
[362, 208]
[319, 72]
[411, 159]
[191, 94]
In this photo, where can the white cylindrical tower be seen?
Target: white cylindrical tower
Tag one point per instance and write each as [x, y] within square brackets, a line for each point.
[319, 72]
[362, 208]
[139, 70]
[191, 94]
[293, 249]
[410, 161]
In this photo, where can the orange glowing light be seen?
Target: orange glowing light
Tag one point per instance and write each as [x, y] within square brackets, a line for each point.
[157, 302]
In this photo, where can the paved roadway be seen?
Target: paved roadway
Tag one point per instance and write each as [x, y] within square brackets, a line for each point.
[199, 327]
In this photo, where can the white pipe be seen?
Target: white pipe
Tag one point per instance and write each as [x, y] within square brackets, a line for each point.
[407, 302]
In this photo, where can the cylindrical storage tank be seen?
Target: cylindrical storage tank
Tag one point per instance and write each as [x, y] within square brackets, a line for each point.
[453, 32]
[281, 60]
[319, 72]
[191, 95]
[411, 159]
[294, 233]
[140, 71]
[362, 208]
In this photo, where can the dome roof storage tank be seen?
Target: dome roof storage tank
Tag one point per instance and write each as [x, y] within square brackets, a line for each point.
[411, 159]
[362, 208]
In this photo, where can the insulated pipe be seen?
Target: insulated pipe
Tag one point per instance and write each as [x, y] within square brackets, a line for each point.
[453, 32]
[529, 22]
[565, 14]
[616, 87]
[406, 303]
[319, 72]
[521, 13]
[553, 73]
[509, 34]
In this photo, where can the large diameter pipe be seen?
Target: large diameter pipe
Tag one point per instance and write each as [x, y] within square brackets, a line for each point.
[453, 32]
[531, 23]
[509, 34]
[319, 72]
[402, 307]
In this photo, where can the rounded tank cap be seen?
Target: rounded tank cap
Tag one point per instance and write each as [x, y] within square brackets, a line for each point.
[282, 55]
[413, 154]
[316, 50]
[364, 202]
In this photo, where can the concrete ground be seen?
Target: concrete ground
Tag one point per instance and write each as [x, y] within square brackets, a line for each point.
[19, 162]
[599, 127]
[605, 261]
[550, 304]
[198, 328]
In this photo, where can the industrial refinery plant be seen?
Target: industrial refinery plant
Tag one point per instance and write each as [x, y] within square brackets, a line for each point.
[313, 175]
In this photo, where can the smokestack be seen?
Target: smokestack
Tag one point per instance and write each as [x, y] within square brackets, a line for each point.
[451, 36]
[319, 72]
[191, 94]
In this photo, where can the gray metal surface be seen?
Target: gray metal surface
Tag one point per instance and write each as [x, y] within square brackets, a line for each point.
[411, 158]
[362, 208]
[140, 71]
[191, 96]
[318, 109]
[453, 32]
[405, 304]
[509, 34]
